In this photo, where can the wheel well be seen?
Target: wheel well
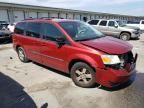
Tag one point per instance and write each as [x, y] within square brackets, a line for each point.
[78, 60]
[125, 32]
[17, 47]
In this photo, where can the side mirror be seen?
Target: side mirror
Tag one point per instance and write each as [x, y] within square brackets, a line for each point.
[116, 26]
[60, 41]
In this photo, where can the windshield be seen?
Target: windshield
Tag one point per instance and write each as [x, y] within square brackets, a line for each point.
[80, 31]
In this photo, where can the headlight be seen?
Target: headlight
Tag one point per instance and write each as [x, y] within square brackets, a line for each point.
[110, 59]
[135, 32]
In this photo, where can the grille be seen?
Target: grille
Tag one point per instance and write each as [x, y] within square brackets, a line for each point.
[124, 59]
[137, 31]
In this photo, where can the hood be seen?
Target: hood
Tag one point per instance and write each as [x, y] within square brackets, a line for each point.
[130, 27]
[109, 45]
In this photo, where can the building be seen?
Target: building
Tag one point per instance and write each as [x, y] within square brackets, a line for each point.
[12, 12]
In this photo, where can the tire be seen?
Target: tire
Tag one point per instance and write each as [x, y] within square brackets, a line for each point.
[83, 75]
[22, 55]
[125, 36]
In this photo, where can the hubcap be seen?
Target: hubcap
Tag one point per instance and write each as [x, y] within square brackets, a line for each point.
[124, 37]
[83, 76]
[21, 54]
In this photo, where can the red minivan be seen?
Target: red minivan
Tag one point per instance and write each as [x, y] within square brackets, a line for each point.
[76, 48]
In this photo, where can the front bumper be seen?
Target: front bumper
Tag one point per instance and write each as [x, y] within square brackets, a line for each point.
[110, 77]
[135, 35]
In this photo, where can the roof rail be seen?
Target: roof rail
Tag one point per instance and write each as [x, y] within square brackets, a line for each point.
[29, 19]
[51, 18]
[46, 18]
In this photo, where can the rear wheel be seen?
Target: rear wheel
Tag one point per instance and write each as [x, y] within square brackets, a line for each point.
[83, 75]
[22, 55]
[125, 36]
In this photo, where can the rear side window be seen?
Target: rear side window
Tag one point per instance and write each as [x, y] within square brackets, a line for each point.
[142, 22]
[111, 23]
[103, 23]
[50, 32]
[33, 29]
[93, 22]
[19, 29]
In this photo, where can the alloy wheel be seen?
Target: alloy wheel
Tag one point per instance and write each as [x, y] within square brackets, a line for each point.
[83, 75]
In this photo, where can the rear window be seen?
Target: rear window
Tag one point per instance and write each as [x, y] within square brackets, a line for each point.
[19, 29]
[93, 22]
[103, 23]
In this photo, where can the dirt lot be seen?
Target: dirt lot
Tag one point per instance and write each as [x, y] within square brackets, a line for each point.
[31, 85]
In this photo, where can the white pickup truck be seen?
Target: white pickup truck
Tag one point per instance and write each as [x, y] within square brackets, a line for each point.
[139, 24]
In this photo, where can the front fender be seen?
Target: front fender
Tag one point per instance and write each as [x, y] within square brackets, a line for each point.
[94, 62]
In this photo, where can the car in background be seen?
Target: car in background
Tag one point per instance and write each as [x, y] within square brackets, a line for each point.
[76, 48]
[115, 28]
[3, 25]
[5, 34]
[11, 27]
[139, 24]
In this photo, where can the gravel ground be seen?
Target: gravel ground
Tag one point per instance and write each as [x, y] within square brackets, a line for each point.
[30, 85]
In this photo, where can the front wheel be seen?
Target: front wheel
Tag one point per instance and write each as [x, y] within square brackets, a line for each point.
[125, 36]
[83, 75]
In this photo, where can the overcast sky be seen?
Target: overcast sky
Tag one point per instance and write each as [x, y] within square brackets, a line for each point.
[129, 7]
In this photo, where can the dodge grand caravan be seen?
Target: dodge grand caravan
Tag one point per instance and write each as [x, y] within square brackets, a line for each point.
[75, 48]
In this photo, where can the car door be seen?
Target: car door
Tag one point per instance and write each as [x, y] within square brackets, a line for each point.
[52, 55]
[32, 41]
[113, 29]
[102, 27]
